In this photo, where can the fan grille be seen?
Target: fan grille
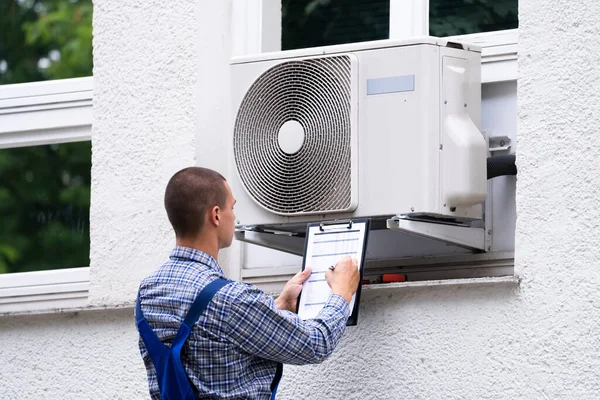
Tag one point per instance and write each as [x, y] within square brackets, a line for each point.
[315, 93]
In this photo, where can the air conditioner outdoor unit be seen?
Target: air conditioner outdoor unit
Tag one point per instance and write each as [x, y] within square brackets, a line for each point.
[374, 129]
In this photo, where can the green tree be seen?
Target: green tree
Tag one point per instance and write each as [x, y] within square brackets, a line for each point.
[45, 39]
[45, 190]
[44, 207]
[310, 23]
[459, 17]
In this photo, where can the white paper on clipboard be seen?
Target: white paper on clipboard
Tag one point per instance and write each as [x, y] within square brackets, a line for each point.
[325, 245]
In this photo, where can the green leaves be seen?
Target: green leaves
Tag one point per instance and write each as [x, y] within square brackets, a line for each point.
[458, 17]
[45, 39]
[44, 207]
[310, 23]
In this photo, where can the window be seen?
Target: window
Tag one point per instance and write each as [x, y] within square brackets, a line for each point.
[44, 189]
[310, 23]
[45, 152]
[44, 203]
[459, 17]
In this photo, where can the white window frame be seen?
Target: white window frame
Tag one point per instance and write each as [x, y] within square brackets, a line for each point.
[41, 113]
[255, 26]
[256, 22]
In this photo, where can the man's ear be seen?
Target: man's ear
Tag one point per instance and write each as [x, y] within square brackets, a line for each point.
[215, 215]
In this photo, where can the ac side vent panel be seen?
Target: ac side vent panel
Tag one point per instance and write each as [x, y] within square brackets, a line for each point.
[294, 138]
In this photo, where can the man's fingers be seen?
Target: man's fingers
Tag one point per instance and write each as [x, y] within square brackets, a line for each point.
[302, 275]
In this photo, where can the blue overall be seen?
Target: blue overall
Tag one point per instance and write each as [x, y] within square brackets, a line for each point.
[173, 381]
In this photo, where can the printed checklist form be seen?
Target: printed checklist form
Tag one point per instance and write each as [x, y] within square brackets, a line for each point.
[326, 243]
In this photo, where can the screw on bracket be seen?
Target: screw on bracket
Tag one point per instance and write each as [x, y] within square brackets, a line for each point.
[499, 143]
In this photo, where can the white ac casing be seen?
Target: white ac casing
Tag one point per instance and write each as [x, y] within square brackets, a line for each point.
[412, 146]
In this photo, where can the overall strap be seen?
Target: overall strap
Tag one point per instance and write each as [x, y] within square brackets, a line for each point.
[156, 349]
[173, 382]
[276, 380]
[139, 315]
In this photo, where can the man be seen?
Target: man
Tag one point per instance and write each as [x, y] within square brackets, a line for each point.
[239, 340]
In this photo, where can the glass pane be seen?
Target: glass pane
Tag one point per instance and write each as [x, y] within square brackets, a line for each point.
[45, 39]
[44, 207]
[459, 17]
[312, 23]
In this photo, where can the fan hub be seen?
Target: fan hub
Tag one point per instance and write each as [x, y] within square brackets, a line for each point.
[290, 137]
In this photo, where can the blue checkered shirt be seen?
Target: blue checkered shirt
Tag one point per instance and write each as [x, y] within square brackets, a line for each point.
[233, 349]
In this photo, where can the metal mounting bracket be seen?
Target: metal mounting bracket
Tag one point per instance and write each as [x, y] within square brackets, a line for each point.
[467, 237]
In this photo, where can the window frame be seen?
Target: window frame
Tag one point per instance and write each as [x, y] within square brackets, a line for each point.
[42, 113]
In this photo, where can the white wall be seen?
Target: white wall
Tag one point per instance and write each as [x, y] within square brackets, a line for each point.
[155, 66]
[499, 342]
[90, 355]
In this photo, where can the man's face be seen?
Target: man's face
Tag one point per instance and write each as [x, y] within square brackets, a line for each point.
[227, 225]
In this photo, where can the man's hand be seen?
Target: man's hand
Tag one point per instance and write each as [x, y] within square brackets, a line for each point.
[288, 298]
[344, 279]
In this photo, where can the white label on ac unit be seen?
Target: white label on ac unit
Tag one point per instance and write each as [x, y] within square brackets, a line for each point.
[392, 84]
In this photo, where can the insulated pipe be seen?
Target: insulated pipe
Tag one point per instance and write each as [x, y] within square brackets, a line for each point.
[501, 165]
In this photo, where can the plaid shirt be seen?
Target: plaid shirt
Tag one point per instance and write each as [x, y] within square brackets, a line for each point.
[233, 350]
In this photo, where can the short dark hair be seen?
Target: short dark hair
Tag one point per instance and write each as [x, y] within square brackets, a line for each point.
[190, 193]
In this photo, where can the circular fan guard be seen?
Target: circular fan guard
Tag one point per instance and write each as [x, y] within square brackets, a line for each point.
[316, 93]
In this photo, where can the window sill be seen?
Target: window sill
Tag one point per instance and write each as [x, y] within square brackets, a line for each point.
[467, 269]
[73, 308]
[67, 310]
[488, 281]
[44, 291]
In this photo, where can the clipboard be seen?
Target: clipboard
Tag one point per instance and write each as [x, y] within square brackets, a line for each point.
[325, 244]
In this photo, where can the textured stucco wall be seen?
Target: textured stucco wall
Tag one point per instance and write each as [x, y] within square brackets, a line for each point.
[557, 197]
[533, 342]
[155, 66]
[91, 355]
[422, 343]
